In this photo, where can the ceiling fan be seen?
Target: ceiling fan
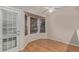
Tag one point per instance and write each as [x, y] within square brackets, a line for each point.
[50, 9]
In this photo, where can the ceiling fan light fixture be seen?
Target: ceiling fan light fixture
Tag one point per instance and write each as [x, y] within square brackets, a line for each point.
[51, 10]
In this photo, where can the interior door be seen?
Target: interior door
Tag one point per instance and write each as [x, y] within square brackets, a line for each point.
[9, 30]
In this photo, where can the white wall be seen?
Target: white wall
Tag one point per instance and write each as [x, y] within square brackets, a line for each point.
[62, 23]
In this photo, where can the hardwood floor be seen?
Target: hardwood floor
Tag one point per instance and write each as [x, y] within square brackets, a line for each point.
[47, 45]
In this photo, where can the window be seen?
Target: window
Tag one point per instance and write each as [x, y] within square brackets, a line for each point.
[36, 23]
[33, 25]
[26, 32]
[42, 25]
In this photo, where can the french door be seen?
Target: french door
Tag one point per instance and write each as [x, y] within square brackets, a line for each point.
[9, 38]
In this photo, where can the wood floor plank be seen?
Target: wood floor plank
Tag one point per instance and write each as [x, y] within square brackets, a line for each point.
[47, 45]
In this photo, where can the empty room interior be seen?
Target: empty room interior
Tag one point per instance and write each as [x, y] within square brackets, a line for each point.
[39, 28]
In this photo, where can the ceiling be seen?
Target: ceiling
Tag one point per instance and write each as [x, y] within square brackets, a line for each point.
[36, 8]
[32, 9]
[39, 10]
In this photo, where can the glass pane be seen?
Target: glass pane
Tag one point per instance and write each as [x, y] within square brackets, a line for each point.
[14, 41]
[25, 25]
[33, 25]
[42, 25]
[9, 43]
[14, 30]
[4, 31]
[4, 44]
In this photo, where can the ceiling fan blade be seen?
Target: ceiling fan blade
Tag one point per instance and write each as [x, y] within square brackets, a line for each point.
[57, 7]
[45, 11]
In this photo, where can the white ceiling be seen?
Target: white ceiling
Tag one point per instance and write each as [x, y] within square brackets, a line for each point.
[32, 9]
[35, 9]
